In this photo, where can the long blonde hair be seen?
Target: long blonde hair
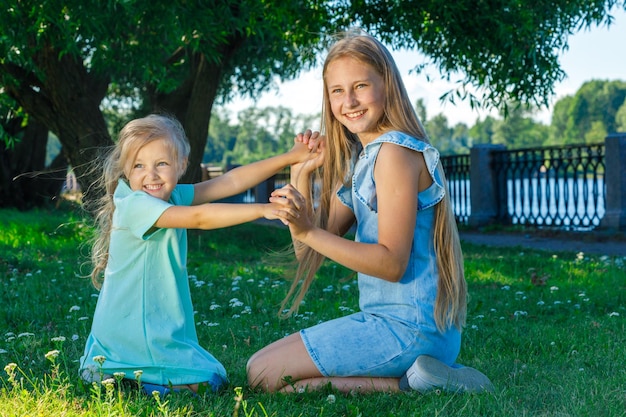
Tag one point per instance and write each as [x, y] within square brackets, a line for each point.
[399, 115]
[118, 163]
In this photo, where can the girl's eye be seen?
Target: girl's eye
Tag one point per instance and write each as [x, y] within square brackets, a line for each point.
[362, 85]
[136, 166]
[335, 91]
[162, 163]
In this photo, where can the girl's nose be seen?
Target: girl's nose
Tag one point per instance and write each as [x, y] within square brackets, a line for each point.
[350, 99]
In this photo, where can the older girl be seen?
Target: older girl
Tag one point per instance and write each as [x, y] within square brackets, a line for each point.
[379, 170]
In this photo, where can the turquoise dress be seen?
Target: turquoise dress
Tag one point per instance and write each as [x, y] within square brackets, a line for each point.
[396, 323]
[144, 316]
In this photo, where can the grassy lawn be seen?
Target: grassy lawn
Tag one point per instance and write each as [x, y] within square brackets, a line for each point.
[547, 328]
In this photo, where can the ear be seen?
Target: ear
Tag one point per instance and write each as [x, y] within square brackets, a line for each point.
[183, 166]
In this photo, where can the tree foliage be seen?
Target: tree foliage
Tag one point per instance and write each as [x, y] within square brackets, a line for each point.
[509, 48]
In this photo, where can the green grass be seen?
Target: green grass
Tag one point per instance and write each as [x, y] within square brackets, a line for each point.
[547, 328]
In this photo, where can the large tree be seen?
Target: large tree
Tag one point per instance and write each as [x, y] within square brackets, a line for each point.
[60, 58]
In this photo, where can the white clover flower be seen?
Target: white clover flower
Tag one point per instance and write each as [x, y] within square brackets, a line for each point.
[74, 308]
[331, 399]
[3, 351]
[506, 288]
[138, 373]
[214, 306]
[74, 337]
[554, 288]
[119, 375]
[58, 339]
[99, 359]
[614, 314]
[108, 382]
[52, 355]
[25, 334]
[234, 302]
[520, 313]
[10, 368]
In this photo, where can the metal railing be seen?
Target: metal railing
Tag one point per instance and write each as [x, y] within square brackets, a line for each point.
[457, 170]
[556, 186]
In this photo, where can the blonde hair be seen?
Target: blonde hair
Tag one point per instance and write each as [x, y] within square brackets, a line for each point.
[117, 164]
[399, 115]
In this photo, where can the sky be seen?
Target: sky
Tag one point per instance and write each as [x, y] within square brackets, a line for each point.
[595, 53]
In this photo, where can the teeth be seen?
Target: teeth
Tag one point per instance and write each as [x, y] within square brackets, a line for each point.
[153, 187]
[356, 114]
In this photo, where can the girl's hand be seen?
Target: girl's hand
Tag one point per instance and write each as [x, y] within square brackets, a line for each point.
[315, 146]
[294, 211]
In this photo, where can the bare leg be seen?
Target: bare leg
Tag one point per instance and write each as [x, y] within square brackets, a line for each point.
[286, 366]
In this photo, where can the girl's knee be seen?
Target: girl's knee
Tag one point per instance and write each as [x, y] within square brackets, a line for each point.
[254, 373]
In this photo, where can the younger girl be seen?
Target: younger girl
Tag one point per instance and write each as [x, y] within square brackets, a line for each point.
[143, 320]
[380, 171]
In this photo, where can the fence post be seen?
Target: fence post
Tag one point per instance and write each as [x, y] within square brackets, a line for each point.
[263, 190]
[615, 182]
[483, 193]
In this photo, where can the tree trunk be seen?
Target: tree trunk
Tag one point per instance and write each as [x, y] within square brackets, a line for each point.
[25, 182]
[67, 103]
[193, 101]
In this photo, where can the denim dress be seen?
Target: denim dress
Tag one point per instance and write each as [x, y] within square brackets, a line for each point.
[396, 322]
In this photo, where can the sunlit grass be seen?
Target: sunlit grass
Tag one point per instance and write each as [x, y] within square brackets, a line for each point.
[547, 328]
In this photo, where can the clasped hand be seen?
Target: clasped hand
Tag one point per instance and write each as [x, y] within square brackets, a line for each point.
[294, 210]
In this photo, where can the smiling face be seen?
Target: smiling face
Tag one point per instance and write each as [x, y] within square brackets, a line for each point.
[357, 97]
[154, 170]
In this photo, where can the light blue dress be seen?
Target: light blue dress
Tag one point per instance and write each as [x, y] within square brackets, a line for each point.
[396, 322]
[144, 315]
